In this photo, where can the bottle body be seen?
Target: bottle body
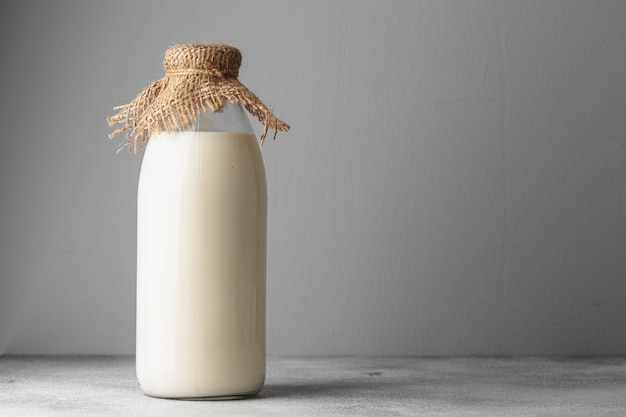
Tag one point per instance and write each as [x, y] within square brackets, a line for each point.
[201, 261]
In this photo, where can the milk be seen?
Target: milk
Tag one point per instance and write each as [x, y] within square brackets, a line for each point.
[201, 250]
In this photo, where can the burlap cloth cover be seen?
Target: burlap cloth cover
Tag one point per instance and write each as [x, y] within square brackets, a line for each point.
[197, 77]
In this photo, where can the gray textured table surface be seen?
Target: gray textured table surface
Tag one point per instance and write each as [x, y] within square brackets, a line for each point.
[361, 386]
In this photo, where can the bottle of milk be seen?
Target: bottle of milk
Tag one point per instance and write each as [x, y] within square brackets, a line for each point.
[201, 228]
[201, 243]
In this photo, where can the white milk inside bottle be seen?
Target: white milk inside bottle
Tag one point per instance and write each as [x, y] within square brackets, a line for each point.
[201, 260]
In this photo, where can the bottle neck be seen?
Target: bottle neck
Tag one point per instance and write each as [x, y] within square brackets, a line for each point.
[232, 118]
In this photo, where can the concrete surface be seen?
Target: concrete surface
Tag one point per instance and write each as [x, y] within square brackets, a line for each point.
[360, 386]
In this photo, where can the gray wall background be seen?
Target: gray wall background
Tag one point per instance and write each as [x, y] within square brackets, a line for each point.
[453, 183]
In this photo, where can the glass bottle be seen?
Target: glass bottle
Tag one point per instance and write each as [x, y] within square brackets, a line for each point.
[201, 260]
